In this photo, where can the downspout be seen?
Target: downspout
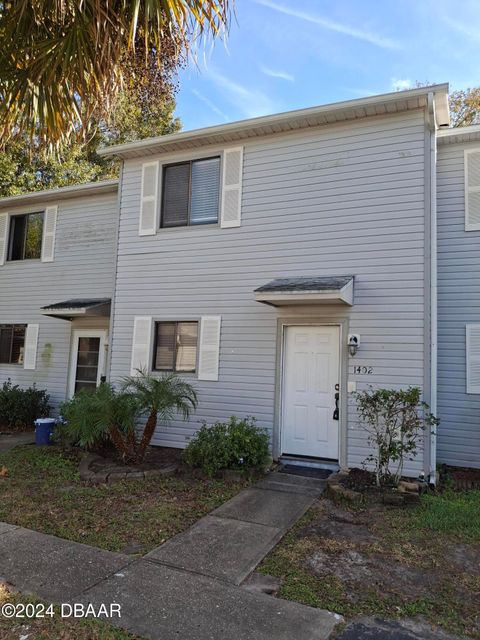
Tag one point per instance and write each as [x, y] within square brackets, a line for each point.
[433, 284]
[108, 370]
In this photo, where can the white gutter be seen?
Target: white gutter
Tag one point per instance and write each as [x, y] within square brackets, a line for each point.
[61, 193]
[286, 121]
[433, 285]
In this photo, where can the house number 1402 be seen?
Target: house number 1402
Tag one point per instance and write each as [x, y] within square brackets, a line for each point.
[362, 370]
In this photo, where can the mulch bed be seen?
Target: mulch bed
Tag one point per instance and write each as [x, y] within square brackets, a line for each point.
[104, 465]
[155, 457]
[359, 485]
[359, 480]
[462, 478]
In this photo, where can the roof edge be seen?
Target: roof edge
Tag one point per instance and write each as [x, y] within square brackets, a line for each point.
[61, 193]
[452, 135]
[122, 150]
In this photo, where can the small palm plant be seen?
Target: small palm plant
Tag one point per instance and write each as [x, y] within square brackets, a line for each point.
[93, 417]
[161, 398]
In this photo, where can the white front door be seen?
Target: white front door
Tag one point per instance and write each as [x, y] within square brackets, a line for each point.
[310, 376]
[87, 361]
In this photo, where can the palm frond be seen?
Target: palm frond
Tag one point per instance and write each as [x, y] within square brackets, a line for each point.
[59, 58]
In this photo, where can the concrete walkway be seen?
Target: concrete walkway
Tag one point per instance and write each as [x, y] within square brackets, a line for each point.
[11, 440]
[191, 585]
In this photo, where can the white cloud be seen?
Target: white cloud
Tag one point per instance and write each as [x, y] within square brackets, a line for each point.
[210, 104]
[283, 75]
[251, 101]
[326, 23]
[471, 32]
[401, 85]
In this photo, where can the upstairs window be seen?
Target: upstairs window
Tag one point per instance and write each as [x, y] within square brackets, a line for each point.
[12, 343]
[176, 346]
[25, 240]
[191, 193]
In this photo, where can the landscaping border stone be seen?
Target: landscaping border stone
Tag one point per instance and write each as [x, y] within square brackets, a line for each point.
[118, 472]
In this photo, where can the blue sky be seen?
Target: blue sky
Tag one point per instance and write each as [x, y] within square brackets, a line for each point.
[287, 54]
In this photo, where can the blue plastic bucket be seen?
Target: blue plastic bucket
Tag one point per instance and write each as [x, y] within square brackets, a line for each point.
[43, 431]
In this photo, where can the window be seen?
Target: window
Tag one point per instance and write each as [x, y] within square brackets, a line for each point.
[175, 346]
[25, 241]
[191, 192]
[12, 343]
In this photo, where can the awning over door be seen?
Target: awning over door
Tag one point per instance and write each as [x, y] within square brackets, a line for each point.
[78, 308]
[307, 290]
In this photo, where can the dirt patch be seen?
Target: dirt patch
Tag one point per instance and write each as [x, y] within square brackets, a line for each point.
[340, 524]
[466, 558]
[373, 559]
[359, 571]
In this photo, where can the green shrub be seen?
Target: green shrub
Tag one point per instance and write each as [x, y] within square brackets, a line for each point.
[395, 421]
[236, 444]
[93, 417]
[19, 408]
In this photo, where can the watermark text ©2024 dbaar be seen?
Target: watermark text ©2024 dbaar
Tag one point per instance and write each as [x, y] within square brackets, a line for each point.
[64, 610]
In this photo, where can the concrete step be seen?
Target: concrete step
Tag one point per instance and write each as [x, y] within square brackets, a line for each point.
[293, 484]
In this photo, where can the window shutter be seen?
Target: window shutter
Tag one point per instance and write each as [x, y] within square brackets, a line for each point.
[472, 190]
[232, 187]
[142, 334]
[209, 348]
[473, 358]
[149, 199]
[3, 236]
[49, 228]
[30, 349]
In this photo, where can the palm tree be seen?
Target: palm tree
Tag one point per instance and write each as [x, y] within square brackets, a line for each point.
[161, 398]
[62, 61]
[93, 417]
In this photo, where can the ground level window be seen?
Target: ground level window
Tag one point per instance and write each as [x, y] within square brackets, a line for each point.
[25, 240]
[12, 343]
[175, 346]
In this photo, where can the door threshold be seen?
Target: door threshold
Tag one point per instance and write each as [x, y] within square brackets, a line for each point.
[305, 461]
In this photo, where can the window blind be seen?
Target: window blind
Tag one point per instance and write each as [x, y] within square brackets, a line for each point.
[205, 188]
[176, 190]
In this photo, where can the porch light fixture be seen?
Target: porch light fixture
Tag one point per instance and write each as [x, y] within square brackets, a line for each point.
[353, 343]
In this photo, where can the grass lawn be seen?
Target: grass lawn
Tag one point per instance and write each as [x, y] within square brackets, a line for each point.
[55, 627]
[387, 562]
[42, 491]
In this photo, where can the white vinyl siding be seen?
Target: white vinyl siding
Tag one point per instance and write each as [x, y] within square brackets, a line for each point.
[3, 237]
[148, 222]
[472, 189]
[458, 305]
[83, 267]
[232, 177]
[49, 230]
[337, 200]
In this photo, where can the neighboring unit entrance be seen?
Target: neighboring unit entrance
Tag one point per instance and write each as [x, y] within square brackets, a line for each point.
[310, 374]
[87, 360]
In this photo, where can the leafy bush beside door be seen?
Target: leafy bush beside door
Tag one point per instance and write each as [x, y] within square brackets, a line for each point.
[236, 444]
[394, 421]
[19, 408]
